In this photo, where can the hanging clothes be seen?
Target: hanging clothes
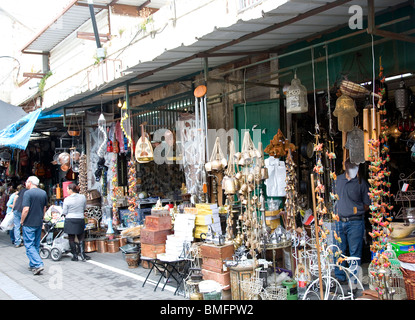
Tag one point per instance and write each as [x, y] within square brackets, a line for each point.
[276, 177]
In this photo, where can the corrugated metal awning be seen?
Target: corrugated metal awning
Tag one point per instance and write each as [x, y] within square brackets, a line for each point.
[266, 31]
[69, 20]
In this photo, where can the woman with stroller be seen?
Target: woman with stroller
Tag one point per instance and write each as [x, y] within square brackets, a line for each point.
[73, 209]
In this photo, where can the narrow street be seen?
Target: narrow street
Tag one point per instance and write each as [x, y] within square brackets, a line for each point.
[105, 277]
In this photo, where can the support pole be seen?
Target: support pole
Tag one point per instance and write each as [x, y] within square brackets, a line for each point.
[94, 22]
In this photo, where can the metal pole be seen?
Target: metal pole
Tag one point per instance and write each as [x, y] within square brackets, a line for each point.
[94, 22]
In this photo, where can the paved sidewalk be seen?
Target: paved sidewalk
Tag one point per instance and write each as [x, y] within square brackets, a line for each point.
[105, 277]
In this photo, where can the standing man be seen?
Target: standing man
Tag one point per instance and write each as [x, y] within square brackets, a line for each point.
[353, 202]
[34, 208]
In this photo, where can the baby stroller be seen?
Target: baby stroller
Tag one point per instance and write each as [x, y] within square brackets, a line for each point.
[52, 245]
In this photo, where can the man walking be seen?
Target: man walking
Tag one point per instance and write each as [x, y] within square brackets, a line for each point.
[34, 208]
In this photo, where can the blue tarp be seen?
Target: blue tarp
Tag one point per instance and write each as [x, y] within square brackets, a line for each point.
[17, 134]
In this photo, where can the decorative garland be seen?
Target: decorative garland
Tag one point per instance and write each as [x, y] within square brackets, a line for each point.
[83, 175]
[115, 219]
[291, 203]
[321, 208]
[379, 191]
[124, 118]
[132, 190]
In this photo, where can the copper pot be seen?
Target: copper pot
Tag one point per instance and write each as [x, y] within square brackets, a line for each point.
[90, 245]
[122, 241]
[65, 167]
[113, 245]
[102, 245]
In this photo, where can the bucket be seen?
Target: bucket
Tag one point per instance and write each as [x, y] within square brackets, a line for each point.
[291, 286]
[132, 259]
[214, 295]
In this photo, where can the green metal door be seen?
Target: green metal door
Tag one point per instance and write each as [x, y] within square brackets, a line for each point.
[263, 116]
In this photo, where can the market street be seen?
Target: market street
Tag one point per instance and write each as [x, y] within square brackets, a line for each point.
[105, 277]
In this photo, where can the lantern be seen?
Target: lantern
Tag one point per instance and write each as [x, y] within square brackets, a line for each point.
[296, 97]
[102, 135]
[394, 132]
[402, 98]
[345, 112]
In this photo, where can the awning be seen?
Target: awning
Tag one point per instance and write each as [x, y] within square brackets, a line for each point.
[10, 114]
[17, 134]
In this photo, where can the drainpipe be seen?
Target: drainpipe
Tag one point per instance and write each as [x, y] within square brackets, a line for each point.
[100, 50]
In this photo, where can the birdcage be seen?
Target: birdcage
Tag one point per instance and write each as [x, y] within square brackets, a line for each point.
[396, 276]
[274, 293]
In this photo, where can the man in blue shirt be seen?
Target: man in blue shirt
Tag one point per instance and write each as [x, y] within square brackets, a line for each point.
[353, 202]
[34, 205]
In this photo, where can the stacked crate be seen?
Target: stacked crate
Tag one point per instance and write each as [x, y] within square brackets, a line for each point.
[154, 235]
[183, 233]
[207, 215]
[213, 258]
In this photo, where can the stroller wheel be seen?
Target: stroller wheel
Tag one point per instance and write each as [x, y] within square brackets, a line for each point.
[55, 254]
[44, 253]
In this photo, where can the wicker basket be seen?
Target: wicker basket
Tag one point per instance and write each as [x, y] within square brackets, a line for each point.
[408, 275]
[352, 89]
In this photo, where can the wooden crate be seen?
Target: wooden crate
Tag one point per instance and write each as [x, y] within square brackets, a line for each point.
[222, 278]
[154, 237]
[217, 252]
[158, 223]
[151, 250]
[215, 265]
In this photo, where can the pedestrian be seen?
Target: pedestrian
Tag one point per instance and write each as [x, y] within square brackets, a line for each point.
[9, 206]
[73, 209]
[17, 211]
[3, 201]
[353, 202]
[34, 205]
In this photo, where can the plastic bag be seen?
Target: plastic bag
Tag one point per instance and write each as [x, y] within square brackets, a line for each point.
[7, 223]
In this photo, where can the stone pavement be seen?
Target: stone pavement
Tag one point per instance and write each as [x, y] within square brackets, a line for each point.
[105, 277]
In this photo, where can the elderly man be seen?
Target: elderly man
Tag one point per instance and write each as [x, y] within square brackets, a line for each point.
[34, 207]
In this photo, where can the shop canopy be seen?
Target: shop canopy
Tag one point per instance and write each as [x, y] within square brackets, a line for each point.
[10, 114]
[17, 134]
